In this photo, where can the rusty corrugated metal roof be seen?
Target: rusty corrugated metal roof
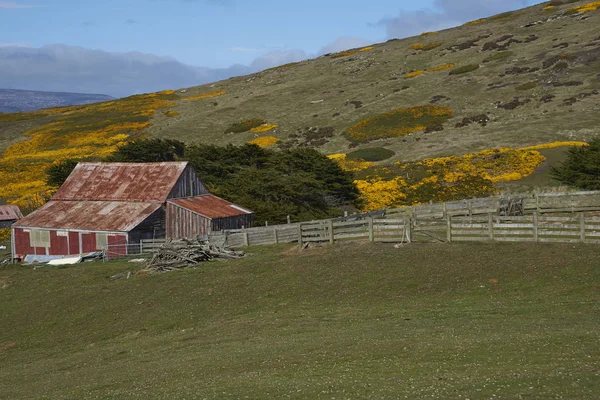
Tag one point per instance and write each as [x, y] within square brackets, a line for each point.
[143, 182]
[111, 216]
[10, 213]
[210, 206]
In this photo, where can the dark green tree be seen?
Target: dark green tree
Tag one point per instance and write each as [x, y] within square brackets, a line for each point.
[581, 168]
[149, 150]
[58, 173]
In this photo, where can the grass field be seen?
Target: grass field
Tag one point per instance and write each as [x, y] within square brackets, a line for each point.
[369, 321]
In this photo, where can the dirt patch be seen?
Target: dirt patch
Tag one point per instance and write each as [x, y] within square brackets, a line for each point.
[7, 346]
[514, 103]
[482, 120]
[519, 71]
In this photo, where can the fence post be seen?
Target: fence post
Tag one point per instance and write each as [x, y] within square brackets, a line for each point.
[491, 225]
[582, 227]
[275, 234]
[371, 233]
[330, 227]
[300, 236]
[445, 209]
[449, 227]
[246, 241]
[410, 230]
[536, 225]
[289, 219]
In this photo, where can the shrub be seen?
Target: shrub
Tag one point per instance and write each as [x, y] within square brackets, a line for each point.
[350, 165]
[429, 33]
[366, 49]
[398, 123]
[464, 69]
[593, 6]
[502, 55]
[425, 47]
[245, 126]
[441, 67]
[264, 141]
[414, 74]
[5, 234]
[344, 53]
[171, 113]
[206, 95]
[371, 154]
[580, 169]
[527, 86]
[264, 128]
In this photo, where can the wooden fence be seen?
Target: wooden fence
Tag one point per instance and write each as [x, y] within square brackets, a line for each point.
[580, 228]
[542, 203]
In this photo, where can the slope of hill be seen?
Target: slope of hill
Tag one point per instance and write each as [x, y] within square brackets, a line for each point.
[13, 100]
[528, 77]
[477, 321]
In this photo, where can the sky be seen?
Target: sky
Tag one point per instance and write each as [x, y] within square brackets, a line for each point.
[134, 46]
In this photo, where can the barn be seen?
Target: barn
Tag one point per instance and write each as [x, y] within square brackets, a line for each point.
[121, 204]
[9, 215]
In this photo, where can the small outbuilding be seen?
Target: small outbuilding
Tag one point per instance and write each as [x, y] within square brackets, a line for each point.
[9, 215]
[121, 204]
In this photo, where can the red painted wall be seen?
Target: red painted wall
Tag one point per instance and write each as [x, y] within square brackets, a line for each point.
[60, 246]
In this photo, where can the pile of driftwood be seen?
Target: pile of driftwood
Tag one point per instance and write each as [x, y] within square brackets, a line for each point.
[183, 253]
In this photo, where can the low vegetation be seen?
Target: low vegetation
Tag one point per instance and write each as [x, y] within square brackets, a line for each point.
[580, 169]
[398, 122]
[371, 154]
[464, 69]
[245, 126]
[356, 321]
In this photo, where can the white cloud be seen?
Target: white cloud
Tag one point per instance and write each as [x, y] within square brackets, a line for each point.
[12, 4]
[445, 14]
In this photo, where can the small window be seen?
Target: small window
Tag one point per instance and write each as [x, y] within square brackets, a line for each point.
[62, 233]
[101, 240]
[38, 238]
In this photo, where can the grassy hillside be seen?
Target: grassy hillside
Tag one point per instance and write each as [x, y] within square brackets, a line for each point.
[516, 79]
[428, 321]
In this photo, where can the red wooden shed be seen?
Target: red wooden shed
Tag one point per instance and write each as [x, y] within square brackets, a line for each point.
[104, 204]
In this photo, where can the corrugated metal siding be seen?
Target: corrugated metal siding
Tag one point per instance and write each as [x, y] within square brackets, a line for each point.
[188, 185]
[10, 213]
[59, 245]
[142, 182]
[21, 240]
[237, 222]
[110, 216]
[211, 206]
[182, 223]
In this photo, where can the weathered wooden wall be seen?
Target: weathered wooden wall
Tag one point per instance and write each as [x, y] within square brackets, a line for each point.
[188, 185]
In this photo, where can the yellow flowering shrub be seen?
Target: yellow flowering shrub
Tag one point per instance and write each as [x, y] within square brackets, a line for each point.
[366, 49]
[555, 144]
[209, 95]
[351, 165]
[378, 194]
[264, 141]
[548, 8]
[80, 132]
[171, 113]
[413, 74]
[428, 33]
[593, 6]
[398, 123]
[345, 53]
[425, 47]
[441, 67]
[264, 128]
[5, 234]
[447, 178]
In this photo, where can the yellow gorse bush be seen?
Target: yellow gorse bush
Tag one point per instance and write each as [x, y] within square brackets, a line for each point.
[5, 234]
[81, 132]
[366, 49]
[547, 8]
[414, 74]
[264, 141]
[441, 67]
[264, 128]
[209, 95]
[448, 178]
[593, 6]
[349, 164]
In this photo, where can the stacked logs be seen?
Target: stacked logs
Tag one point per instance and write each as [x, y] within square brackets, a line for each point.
[185, 253]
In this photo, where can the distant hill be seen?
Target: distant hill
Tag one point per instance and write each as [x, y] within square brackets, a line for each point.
[13, 100]
[439, 116]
